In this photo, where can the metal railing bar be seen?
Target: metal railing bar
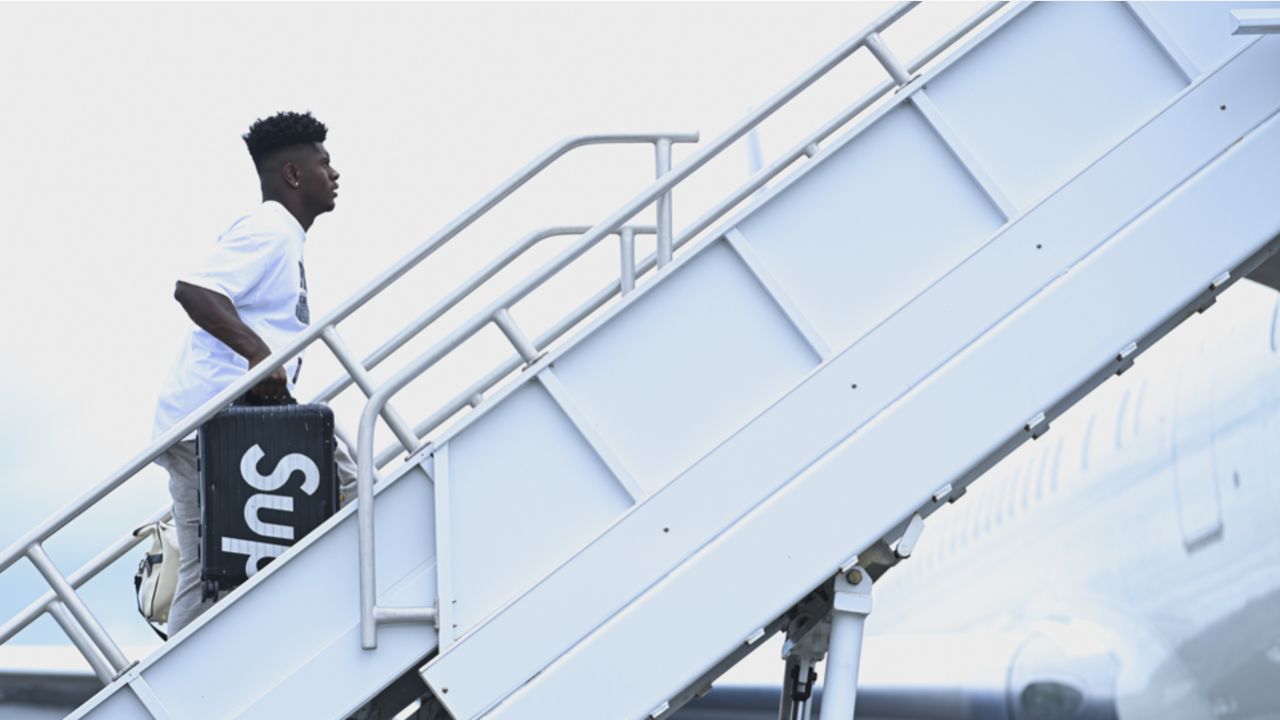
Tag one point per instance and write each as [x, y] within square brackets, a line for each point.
[82, 642]
[662, 156]
[949, 39]
[875, 45]
[627, 259]
[87, 572]
[364, 433]
[552, 334]
[365, 516]
[458, 402]
[283, 354]
[808, 146]
[755, 182]
[444, 305]
[364, 437]
[79, 611]
[406, 614]
[507, 324]
[361, 376]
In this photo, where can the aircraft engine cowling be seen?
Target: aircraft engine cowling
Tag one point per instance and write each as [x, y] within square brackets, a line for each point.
[1046, 672]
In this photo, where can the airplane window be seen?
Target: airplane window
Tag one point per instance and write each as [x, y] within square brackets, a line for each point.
[1043, 474]
[1137, 408]
[1084, 446]
[1028, 477]
[1015, 483]
[1124, 406]
[1057, 464]
[988, 509]
[1275, 326]
[1002, 503]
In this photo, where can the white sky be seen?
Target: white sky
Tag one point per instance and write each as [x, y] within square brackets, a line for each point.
[119, 132]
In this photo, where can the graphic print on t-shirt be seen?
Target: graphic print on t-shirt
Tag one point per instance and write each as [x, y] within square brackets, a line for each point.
[302, 311]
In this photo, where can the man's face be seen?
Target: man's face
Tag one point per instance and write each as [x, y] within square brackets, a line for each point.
[318, 179]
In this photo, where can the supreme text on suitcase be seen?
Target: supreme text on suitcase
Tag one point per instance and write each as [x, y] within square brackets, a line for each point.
[267, 478]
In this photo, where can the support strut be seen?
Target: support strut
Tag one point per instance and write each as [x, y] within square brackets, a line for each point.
[828, 622]
[849, 610]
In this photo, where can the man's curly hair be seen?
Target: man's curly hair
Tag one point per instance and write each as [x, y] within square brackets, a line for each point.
[283, 130]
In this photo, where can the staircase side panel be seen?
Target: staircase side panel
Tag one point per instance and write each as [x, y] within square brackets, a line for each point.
[884, 364]
[289, 638]
[1202, 30]
[884, 216]
[677, 371]
[1050, 92]
[120, 704]
[1141, 280]
[525, 492]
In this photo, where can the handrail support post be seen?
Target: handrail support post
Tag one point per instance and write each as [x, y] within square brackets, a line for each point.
[875, 44]
[356, 369]
[662, 158]
[81, 641]
[627, 251]
[523, 345]
[78, 610]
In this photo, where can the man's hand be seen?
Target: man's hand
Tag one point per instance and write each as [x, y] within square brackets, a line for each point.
[274, 387]
[215, 313]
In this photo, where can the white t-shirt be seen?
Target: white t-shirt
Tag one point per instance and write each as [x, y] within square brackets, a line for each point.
[257, 263]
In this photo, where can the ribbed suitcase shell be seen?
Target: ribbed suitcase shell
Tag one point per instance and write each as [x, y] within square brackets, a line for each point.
[253, 511]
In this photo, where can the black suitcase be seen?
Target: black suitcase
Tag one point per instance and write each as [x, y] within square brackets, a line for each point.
[267, 478]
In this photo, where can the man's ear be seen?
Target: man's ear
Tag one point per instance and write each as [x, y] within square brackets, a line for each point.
[292, 175]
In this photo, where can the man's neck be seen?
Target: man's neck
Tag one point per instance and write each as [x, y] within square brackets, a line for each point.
[304, 219]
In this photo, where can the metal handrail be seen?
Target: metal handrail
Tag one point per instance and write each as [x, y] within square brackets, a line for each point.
[30, 545]
[444, 305]
[497, 311]
[408, 438]
[806, 148]
[84, 574]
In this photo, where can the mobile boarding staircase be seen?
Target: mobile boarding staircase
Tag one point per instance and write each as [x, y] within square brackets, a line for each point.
[703, 462]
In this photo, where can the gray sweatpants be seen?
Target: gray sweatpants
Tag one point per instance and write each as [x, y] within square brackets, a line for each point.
[180, 461]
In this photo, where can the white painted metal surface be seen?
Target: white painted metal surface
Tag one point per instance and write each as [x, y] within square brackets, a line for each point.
[286, 643]
[1132, 241]
[983, 248]
[849, 612]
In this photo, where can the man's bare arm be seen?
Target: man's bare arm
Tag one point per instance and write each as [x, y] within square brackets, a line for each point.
[215, 314]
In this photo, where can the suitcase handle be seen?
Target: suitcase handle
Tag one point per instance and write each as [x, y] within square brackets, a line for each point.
[248, 400]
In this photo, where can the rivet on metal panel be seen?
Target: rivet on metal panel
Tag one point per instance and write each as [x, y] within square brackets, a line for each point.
[666, 529]
[854, 386]
[854, 576]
